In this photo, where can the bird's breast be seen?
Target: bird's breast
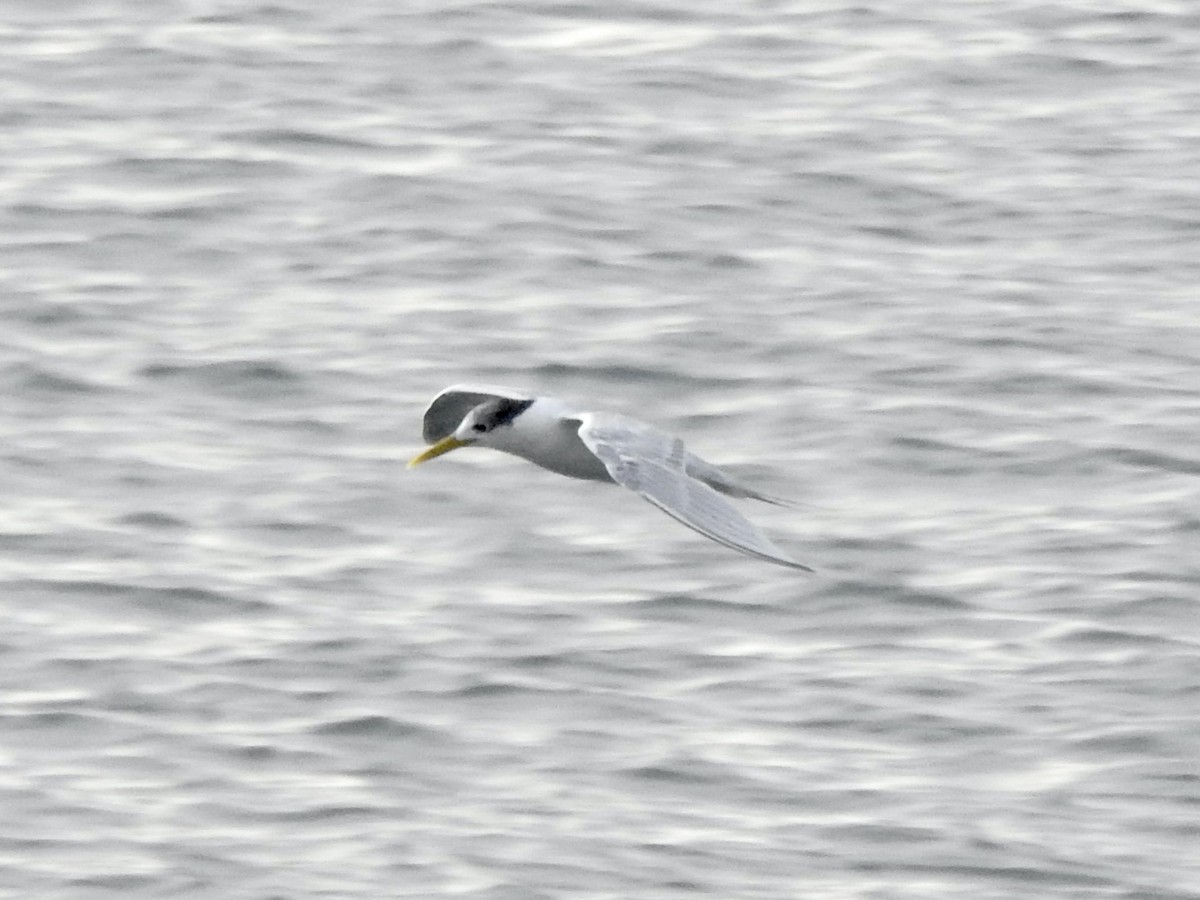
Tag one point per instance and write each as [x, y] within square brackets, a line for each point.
[553, 443]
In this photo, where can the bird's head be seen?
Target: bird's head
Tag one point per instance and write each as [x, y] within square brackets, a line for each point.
[479, 426]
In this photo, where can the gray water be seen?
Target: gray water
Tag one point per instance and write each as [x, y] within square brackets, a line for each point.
[929, 269]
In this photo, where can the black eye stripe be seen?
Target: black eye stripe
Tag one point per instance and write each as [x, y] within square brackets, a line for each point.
[500, 411]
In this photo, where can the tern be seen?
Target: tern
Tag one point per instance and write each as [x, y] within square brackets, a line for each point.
[600, 446]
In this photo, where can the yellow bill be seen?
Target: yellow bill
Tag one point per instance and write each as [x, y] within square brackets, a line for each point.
[445, 445]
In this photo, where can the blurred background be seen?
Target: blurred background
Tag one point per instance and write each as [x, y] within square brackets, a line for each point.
[929, 270]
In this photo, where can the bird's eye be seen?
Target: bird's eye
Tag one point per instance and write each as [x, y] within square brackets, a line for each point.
[479, 426]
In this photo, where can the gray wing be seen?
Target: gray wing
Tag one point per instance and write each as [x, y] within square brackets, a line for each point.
[447, 410]
[653, 464]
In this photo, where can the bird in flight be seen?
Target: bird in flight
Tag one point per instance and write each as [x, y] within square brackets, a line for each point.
[599, 446]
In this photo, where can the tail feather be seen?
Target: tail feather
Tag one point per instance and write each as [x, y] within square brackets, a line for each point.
[730, 486]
